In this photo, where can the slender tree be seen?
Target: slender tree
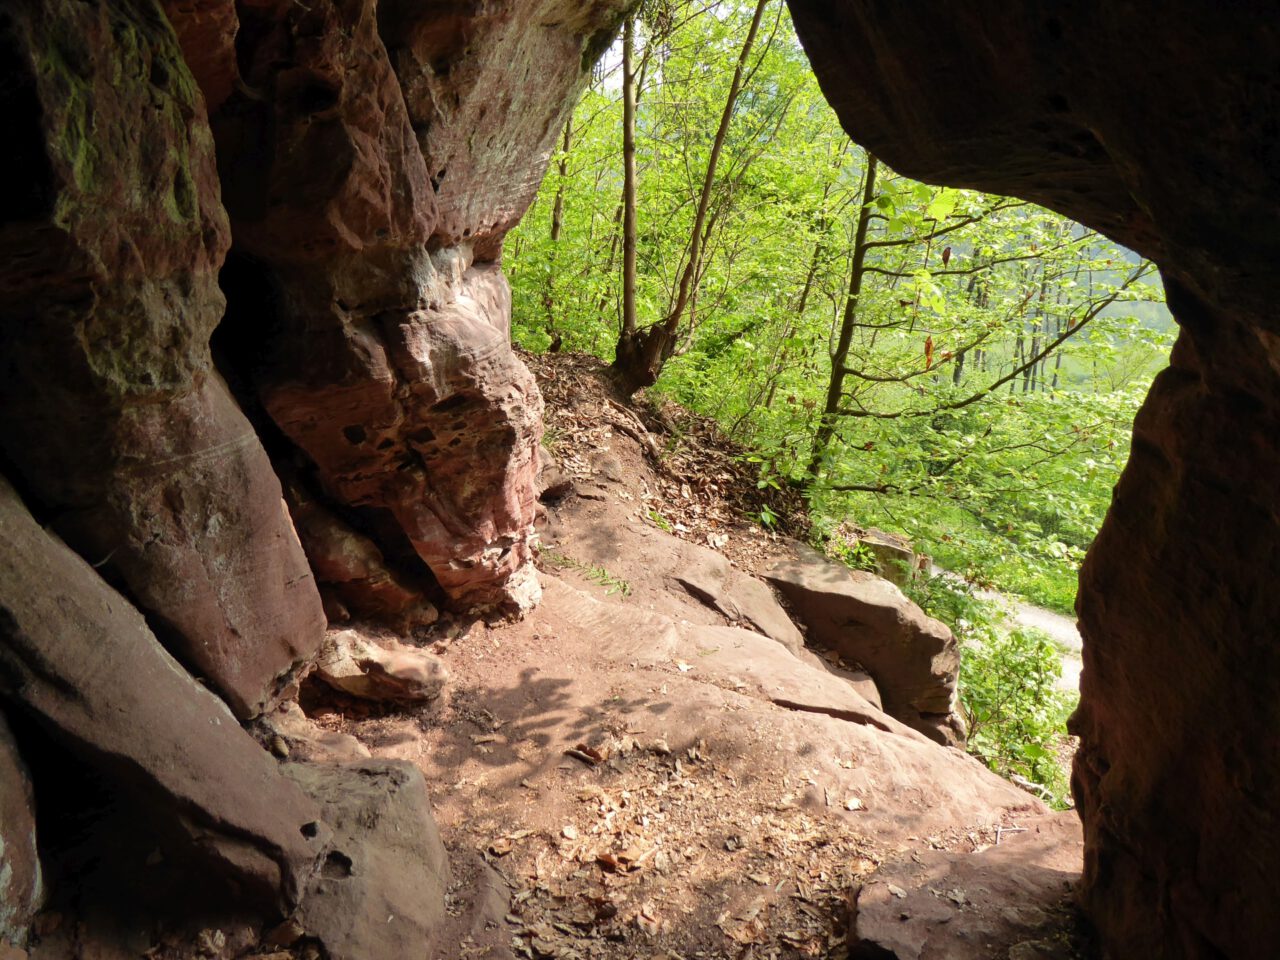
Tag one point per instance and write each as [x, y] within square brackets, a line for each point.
[640, 353]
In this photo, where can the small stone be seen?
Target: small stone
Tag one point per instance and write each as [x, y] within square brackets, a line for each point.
[210, 942]
[285, 934]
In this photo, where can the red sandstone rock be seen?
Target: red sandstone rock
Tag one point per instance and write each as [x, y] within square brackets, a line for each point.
[489, 90]
[389, 363]
[1013, 900]
[207, 33]
[75, 655]
[912, 658]
[350, 566]
[109, 407]
[379, 890]
[1160, 131]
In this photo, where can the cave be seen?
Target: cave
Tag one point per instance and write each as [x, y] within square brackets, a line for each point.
[269, 178]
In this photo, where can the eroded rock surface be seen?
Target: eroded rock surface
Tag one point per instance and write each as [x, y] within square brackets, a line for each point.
[110, 409]
[351, 570]
[1159, 131]
[21, 881]
[79, 659]
[373, 156]
[913, 658]
[379, 891]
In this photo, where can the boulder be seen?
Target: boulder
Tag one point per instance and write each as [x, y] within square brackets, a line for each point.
[1012, 900]
[1158, 131]
[21, 881]
[304, 740]
[111, 413]
[895, 558]
[913, 658]
[382, 669]
[379, 890]
[77, 657]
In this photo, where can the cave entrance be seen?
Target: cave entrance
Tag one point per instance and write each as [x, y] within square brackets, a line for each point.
[948, 378]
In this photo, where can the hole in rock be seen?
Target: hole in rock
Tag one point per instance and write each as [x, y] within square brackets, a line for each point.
[449, 404]
[317, 98]
[355, 434]
[310, 830]
[337, 866]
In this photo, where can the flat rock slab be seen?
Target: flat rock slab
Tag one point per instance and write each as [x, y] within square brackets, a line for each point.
[379, 891]
[1011, 900]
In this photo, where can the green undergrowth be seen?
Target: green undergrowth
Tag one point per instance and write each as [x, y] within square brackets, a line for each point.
[1015, 713]
[592, 571]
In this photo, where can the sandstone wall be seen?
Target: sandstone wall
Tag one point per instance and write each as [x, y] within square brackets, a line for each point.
[320, 191]
[1158, 127]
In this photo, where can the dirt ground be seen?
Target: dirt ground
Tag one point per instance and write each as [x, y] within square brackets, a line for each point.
[614, 775]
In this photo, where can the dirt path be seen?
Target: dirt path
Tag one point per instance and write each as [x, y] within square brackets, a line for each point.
[1061, 629]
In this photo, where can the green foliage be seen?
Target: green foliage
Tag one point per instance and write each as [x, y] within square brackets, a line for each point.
[999, 352]
[857, 556]
[1015, 714]
[593, 572]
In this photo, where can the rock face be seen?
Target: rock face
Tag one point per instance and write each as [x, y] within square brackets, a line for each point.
[110, 409]
[1159, 131]
[373, 156]
[79, 659]
[912, 658]
[351, 570]
[379, 891]
[1012, 900]
[370, 157]
[21, 884]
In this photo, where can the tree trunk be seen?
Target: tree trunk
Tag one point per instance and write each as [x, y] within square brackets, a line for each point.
[835, 387]
[628, 181]
[641, 354]
[562, 167]
[557, 225]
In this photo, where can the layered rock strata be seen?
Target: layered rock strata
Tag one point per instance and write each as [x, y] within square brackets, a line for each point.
[79, 659]
[1160, 131]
